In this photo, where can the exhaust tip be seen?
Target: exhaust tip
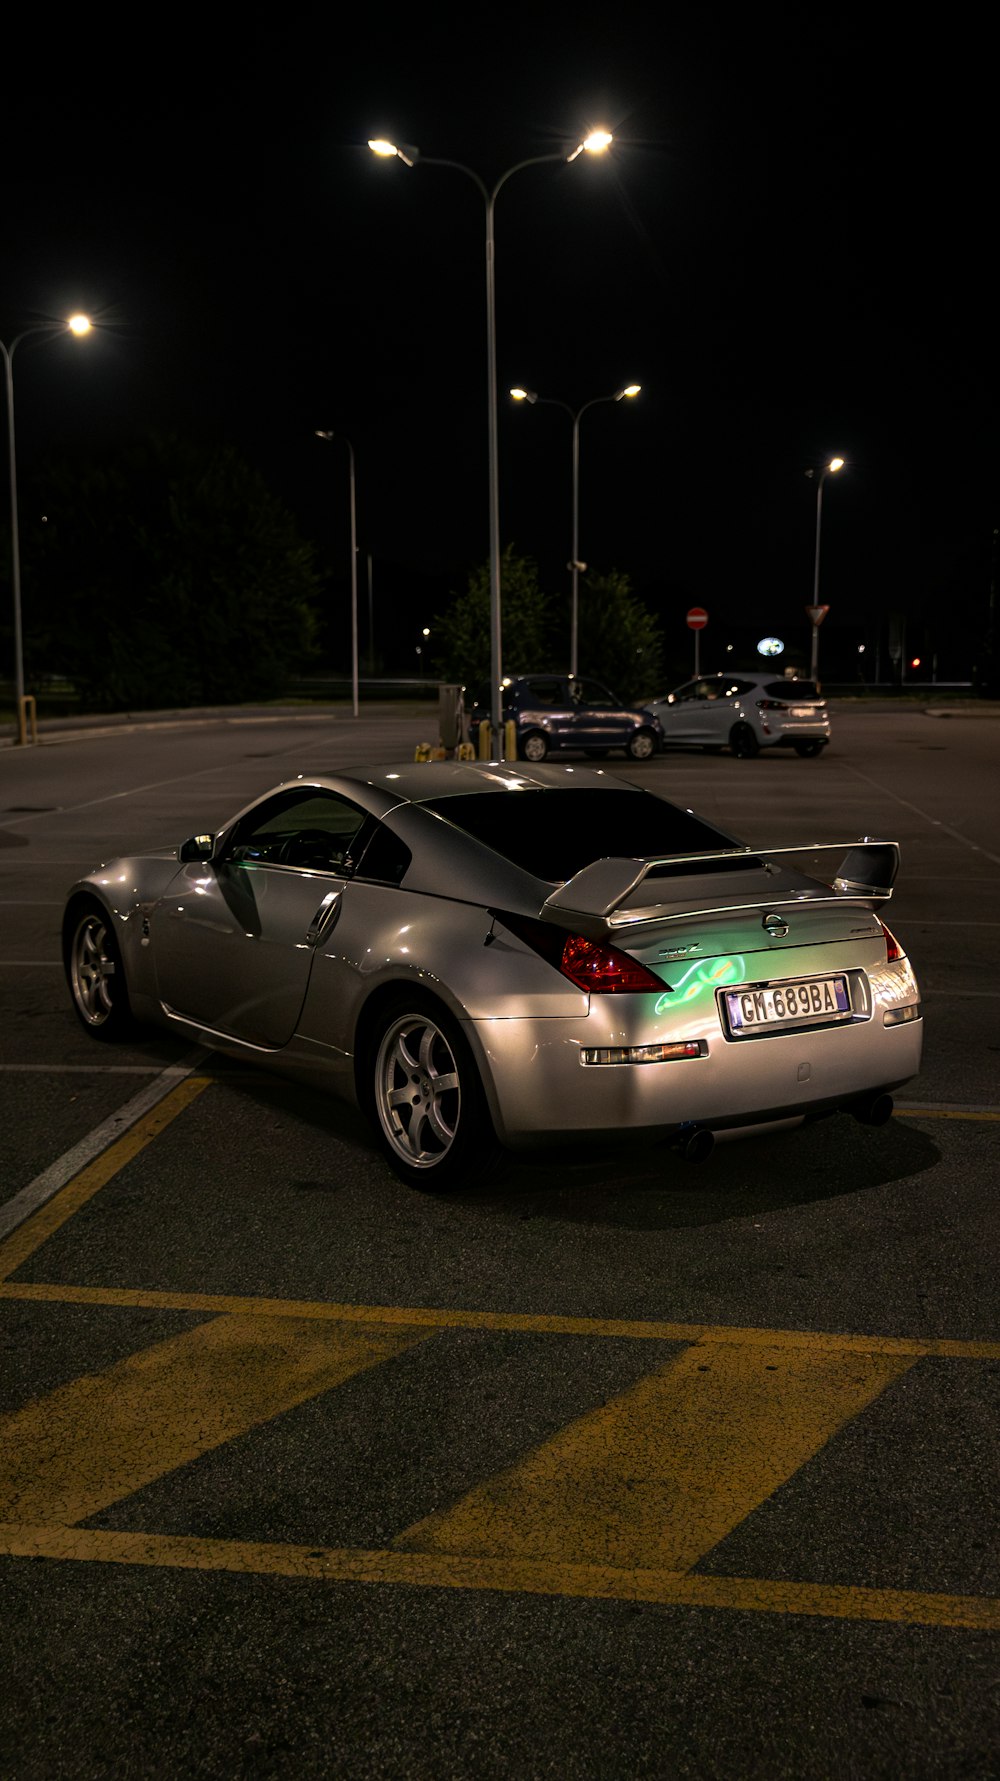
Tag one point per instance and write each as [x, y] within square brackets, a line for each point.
[696, 1144]
[877, 1111]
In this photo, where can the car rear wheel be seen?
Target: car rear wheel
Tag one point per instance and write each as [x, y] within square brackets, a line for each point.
[743, 742]
[95, 972]
[426, 1098]
[534, 746]
[808, 750]
[641, 745]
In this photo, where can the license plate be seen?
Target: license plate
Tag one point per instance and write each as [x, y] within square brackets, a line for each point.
[782, 1005]
[803, 711]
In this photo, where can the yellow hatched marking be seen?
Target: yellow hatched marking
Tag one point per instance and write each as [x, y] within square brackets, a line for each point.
[432, 1317]
[89, 1443]
[756, 1595]
[36, 1229]
[658, 1476]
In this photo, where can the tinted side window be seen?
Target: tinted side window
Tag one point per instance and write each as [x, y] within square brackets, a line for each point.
[543, 692]
[385, 857]
[308, 828]
[593, 693]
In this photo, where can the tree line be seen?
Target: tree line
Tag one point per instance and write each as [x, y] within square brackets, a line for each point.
[167, 573]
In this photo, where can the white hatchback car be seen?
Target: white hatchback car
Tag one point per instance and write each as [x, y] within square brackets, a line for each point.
[745, 712]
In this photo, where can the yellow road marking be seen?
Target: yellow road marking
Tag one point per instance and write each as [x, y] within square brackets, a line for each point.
[655, 1478]
[23, 1242]
[527, 1323]
[637, 1490]
[103, 1436]
[435, 1571]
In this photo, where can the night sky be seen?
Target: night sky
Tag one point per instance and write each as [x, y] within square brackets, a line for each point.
[790, 245]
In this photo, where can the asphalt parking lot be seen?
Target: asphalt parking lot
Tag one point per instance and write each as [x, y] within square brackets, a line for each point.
[617, 1466]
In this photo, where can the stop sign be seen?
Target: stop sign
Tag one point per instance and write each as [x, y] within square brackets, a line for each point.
[697, 618]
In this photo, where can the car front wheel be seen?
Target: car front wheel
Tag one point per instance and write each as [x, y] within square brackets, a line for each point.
[534, 746]
[743, 742]
[95, 973]
[430, 1111]
[641, 746]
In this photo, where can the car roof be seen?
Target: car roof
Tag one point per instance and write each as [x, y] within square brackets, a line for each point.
[417, 781]
[760, 674]
[384, 788]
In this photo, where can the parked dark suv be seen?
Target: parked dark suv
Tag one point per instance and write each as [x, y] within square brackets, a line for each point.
[559, 711]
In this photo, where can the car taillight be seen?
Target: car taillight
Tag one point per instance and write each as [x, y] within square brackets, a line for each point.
[771, 705]
[602, 969]
[893, 950]
[592, 965]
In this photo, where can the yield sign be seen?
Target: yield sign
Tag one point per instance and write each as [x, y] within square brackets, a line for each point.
[817, 614]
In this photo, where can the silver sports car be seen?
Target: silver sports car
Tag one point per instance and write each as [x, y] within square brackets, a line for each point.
[486, 955]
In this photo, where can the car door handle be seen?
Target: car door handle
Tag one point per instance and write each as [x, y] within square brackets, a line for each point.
[324, 917]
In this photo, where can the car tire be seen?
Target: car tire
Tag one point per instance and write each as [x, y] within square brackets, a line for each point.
[425, 1098]
[95, 972]
[641, 746]
[809, 750]
[534, 746]
[743, 742]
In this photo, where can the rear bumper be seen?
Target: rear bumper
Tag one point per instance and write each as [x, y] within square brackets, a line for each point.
[810, 733]
[539, 1086]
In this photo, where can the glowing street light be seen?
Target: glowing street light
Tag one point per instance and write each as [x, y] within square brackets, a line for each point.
[596, 143]
[77, 324]
[829, 469]
[322, 433]
[574, 565]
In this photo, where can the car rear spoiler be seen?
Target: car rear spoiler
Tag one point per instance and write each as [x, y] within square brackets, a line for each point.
[594, 896]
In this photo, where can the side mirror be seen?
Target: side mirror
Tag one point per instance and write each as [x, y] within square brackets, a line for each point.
[868, 870]
[198, 847]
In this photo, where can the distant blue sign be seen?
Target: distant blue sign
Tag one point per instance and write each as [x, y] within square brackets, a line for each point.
[770, 646]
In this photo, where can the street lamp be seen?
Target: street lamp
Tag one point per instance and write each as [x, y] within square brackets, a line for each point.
[595, 143]
[829, 469]
[77, 324]
[425, 633]
[325, 434]
[574, 565]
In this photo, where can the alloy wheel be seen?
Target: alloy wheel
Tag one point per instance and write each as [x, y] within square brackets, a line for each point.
[418, 1094]
[92, 969]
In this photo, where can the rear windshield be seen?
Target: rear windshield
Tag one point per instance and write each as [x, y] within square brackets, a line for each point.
[553, 834]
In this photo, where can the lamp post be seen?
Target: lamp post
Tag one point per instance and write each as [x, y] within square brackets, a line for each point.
[325, 434]
[829, 469]
[574, 565]
[594, 144]
[77, 324]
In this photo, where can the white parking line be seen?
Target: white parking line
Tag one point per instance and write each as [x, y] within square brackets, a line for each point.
[47, 1185]
[934, 821]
